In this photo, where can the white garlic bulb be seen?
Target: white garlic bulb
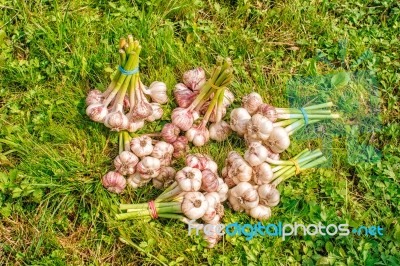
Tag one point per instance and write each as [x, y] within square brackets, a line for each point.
[125, 163]
[259, 127]
[240, 171]
[157, 112]
[142, 146]
[256, 154]
[239, 120]
[219, 131]
[158, 92]
[165, 178]
[251, 102]
[189, 179]
[222, 190]
[245, 194]
[194, 205]
[148, 167]
[260, 212]
[262, 174]
[278, 140]
[269, 195]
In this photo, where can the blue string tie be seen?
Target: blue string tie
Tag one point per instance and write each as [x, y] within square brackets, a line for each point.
[126, 72]
[305, 116]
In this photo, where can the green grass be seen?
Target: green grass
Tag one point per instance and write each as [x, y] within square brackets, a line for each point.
[53, 208]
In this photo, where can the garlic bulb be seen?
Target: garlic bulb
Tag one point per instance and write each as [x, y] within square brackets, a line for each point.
[209, 215]
[240, 171]
[198, 135]
[157, 112]
[256, 154]
[251, 102]
[148, 167]
[213, 199]
[180, 147]
[219, 131]
[161, 148]
[232, 156]
[114, 182]
[222, 190]
[141, 109]
[212, 238]
[230, 182]
[136, 181]
[273, 155]
[94, 96]
[239, 120]
[97, 112]
[269, 195]
[263, 174]
[259, 127]
[215, 210]
[211, 165]
[165, 178]
[116, 121]
[196, 161]
[125, 163]
[158, 92]
[170, 132]
[278, 140]
[142, 146]
[183, 95]
[189, 179]
[248, 140]
[182, 118]
[268, 111]
[209, 181]
[244, 196]
[194, 205]
[194, 78]
[260, 212]
[135, 125]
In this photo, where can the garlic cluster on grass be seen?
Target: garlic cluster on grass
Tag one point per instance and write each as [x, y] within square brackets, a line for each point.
[141, 160]
[127, 103]
[196, 192]
[201, 101]
[250, 185]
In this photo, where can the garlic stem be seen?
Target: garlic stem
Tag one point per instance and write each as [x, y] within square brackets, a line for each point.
[219, 106]
[166, 196]
[171, 187]
[120, 82]
[310, 116]
[131, 92]
[122, 57]
[284, 122]
[297, 111]
[212, 105]
[305, 152]
[126, 140]
[301, 162]
[292, 171]
[120, 141]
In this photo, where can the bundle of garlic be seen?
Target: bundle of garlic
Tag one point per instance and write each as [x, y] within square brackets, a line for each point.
[127, 103]
[141, 159]
[271, 126]
[197, 193]
[253, 189]
[196, 97]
